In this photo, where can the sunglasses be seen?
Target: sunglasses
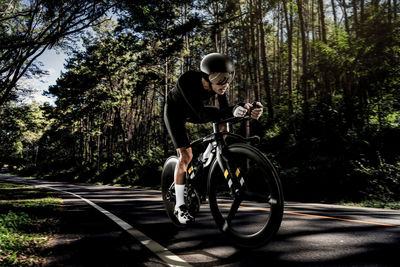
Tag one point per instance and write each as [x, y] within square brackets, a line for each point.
[221, 78]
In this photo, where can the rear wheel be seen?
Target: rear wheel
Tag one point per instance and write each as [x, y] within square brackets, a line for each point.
[168, 188]
[192, 198]
[253, 216]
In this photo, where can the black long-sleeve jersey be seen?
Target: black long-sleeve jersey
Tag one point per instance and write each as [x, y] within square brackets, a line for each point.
[189, 96]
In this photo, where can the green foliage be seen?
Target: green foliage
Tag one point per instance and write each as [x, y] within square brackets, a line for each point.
[333, 135]
[146, 170]
[326, 161]
[28, 28]
[25, 223]
[21, 127]
[382, 183]
[373, 204]
[10, 239]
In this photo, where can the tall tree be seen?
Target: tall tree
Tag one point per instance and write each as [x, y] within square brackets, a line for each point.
[289, 29]
[37, 25]
[264, 61]
[304, 48]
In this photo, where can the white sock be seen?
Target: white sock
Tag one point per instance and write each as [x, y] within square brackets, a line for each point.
[179, 195]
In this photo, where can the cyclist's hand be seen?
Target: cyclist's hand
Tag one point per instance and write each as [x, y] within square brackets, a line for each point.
[248, 106]
[239, 111]
[257, 111]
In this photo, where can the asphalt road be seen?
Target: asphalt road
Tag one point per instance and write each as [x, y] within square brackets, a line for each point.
[310, 234]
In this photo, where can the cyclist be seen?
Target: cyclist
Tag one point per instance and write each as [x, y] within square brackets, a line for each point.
[185, 103]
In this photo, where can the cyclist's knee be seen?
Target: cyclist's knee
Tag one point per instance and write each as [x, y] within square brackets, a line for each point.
[185, 156]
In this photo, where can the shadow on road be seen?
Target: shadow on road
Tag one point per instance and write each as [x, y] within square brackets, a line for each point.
[88, 238]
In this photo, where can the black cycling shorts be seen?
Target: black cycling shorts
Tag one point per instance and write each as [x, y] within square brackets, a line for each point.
[176, 116]
[175, 122]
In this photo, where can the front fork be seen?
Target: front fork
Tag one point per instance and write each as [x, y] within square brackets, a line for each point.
[232, 176]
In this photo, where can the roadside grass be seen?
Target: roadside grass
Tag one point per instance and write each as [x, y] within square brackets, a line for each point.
[394, 205]
[28, 219]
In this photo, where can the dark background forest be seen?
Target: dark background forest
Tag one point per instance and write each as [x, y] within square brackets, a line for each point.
[327, 73]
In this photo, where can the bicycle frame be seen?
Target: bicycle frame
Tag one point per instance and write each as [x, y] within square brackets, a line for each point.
[247, 175]
[219, 145]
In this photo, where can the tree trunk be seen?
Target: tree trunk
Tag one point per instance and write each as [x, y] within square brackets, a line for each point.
[289, 27]
[362, 14]
[264, 61]
[257, 92]
[355, 16]
[165, 132]
[326, 95]
[244, 73]
[322, 19]
[334, 18]
[346, 20]
[334, 12]
[82, 143]
[304, 61]
[99, 149]
[252, 28]
[279, 40]
[118, 121]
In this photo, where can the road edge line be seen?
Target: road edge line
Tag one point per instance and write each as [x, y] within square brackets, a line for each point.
[163, 253]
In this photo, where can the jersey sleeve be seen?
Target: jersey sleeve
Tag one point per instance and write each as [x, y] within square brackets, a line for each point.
[225, 109]
[202, 113]
[185, 86]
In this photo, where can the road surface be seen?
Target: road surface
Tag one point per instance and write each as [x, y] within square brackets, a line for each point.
[310, 234]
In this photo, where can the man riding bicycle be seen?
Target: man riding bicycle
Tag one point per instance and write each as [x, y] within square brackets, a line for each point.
[185, 103]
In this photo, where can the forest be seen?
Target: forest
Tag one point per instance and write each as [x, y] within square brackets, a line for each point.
[326, 72]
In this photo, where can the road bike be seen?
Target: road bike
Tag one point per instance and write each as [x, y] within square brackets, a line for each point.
[244, 191]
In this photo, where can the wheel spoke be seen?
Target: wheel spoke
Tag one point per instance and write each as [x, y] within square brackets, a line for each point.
[234, 209]
[251, 211]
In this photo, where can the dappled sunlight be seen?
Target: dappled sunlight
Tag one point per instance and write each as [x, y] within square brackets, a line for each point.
[310, 234]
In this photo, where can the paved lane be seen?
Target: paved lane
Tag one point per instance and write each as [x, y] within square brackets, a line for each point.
[310, 235]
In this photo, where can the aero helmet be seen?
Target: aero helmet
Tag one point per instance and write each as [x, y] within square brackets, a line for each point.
[218, 68]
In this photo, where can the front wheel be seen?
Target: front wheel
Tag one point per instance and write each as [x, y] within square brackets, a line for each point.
[251, 217]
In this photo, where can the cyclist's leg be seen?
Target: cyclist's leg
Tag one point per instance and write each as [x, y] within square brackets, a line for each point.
[175, 125]
[175, 122]
[185, 156]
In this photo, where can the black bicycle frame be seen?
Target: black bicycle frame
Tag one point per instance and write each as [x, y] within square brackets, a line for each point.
[223, 162]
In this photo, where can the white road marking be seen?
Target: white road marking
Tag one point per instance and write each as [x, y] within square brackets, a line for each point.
[163, 253]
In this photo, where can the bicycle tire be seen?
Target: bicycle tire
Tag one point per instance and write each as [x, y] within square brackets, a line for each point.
[167, 180]
[261, 182]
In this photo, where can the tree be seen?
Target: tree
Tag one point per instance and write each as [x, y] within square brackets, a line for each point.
[30, 27]
[264, 61]
[330, 84]
[21, 127]
[305, 66]
[289, 29]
